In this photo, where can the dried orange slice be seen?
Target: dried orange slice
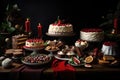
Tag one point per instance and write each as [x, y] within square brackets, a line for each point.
[88, 59]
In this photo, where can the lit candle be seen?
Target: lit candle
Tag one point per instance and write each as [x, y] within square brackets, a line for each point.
[113, 31]
[39, 30]
[27, 25]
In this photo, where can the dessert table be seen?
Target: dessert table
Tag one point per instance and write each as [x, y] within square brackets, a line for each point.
[62, 71]
[20, 71]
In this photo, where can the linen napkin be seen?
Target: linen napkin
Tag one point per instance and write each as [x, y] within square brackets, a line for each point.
[62, 70]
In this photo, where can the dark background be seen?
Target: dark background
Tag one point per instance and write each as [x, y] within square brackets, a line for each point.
[80, 13]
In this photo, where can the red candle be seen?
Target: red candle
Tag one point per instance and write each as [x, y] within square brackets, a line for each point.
[27, 25]
[39, 30]
[115, 23]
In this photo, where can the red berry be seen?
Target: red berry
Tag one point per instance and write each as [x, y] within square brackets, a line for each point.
[59, 22]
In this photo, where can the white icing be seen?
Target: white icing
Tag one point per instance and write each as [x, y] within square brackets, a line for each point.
[34, 43]
[81, 44]
[108, 50]
[91, 36]
[61, 53]
[60, 29]
[70, 53]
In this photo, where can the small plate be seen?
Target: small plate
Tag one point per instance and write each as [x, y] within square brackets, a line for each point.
[82, 64]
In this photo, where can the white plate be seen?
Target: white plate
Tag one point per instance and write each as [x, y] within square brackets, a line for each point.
[61, 58]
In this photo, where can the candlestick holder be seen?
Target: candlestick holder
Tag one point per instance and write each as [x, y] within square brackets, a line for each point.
[34, 50]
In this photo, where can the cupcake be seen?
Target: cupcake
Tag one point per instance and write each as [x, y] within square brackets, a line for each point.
[81, 44]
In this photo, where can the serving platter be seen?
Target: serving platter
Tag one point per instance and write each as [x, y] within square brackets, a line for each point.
[52, 50]
[35, 60]
[60, 35]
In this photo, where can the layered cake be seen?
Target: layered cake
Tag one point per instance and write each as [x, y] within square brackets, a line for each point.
[82, 44]
[92, 34]
[9, 52]
[59, 28]
[18, 41]
[109, 48]
[17, 53]
[34, 43]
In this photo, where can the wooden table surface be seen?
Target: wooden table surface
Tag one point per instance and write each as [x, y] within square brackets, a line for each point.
[97, 67]
[111, 72]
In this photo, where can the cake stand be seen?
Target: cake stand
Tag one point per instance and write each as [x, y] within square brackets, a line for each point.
[62, 37]
[51, 52]
[35, 50]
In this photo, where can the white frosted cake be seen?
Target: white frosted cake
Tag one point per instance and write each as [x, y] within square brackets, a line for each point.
[34, 43]
[108, 48]
[60, 28]
[92, 34]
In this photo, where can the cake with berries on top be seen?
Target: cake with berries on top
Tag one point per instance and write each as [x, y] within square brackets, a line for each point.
[92, 34]
[60, 28]
[34, 43]
[109, 48]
